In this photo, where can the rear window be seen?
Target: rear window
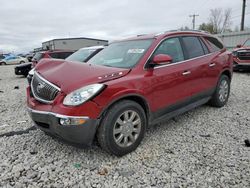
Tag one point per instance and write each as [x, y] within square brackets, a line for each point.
[60, 55]
[215, 44]
[193, 47]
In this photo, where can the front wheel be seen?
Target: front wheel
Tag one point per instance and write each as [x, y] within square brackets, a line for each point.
[122, 128]
[221, 94]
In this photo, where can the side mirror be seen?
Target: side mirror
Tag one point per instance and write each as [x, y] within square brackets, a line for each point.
[239, 46]
[161, 59]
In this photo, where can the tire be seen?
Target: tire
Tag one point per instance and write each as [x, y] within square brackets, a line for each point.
[2, 63]
[222, 91]
[114, 120]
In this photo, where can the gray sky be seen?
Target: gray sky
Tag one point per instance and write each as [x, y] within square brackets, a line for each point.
[25, 24]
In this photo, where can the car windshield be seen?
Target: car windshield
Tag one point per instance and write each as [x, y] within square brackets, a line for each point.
[124, 54]
[247, 43]
[38, 56]
[80, 55]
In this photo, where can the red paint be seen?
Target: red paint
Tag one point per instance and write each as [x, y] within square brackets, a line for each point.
[47, 54]
[160, 87]
[239, 48]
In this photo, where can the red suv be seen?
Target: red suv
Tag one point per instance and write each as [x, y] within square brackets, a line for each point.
[241, 56]
[128, 86]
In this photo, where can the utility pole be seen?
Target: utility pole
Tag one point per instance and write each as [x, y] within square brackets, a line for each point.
[193, 20]
[243, 15]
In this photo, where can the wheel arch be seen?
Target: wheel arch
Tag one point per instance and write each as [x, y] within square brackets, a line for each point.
[133, 97]
[228, 73]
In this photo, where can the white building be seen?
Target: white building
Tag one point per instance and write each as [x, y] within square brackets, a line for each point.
[72, 43]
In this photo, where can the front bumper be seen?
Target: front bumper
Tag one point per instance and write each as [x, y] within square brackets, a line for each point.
[238, 66]
[76, 134]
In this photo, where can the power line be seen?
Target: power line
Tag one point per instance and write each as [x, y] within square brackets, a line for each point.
[240, 15]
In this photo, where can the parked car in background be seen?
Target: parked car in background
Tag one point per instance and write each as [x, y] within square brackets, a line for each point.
[57, 54]
[25, 68]
[81, 55]
[241, 56]
[11, 60]
[29, 57]
[84, 54]
[127, 86]
[1, 57]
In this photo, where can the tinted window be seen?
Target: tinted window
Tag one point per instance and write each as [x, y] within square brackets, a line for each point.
[204, 46]
[171, 47]
[193, 47]
[54, 55]
[67, 54]
[60, 55]
[214, 43]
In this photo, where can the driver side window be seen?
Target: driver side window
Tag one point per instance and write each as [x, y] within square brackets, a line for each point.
[171, 47]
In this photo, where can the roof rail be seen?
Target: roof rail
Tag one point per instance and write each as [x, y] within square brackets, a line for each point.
[194, 30]
[140, 35]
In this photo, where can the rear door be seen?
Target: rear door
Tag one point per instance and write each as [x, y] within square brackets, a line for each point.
[198, 58]
[171, 82]
[218, 59]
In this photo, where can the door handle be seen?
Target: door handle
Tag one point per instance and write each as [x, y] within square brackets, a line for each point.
[186, 73]
[211, 64]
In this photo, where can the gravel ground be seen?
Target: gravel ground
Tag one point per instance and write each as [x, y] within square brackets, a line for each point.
[202, 148]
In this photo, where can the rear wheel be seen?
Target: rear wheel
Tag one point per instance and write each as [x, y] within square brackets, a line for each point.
[122, 128]
[22, 62]
[221, 94]
[2, 63]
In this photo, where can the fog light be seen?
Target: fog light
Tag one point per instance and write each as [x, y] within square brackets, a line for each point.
[72, 121]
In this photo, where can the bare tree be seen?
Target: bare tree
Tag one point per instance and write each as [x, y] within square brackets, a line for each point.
[216, 19]
[227, 20]
[219, 21]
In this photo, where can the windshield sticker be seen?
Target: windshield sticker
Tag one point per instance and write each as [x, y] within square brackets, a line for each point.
[135, 51]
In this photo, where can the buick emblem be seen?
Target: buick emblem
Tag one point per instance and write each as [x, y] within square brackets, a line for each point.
[40, 86]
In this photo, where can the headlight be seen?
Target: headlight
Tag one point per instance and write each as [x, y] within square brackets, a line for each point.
[83, 94]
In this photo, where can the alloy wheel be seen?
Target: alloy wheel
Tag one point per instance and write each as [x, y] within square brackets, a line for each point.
[127, 128]
[223, 90]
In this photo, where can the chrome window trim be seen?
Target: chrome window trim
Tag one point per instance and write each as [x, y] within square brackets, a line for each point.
[37, 97]
[180, 62]
[144, 66]
[55, 114]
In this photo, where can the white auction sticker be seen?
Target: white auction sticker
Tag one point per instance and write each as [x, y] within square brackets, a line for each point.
[135, 51]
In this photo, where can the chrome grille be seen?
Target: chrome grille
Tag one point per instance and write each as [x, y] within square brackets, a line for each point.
[43, 90]
[244, 55]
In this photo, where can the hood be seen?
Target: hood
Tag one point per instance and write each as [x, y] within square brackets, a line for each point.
[242, 48]
[70, 76]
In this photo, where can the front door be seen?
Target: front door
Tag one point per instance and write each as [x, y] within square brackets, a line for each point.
[170, 82]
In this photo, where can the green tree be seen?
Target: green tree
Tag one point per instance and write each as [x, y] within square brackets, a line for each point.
[207, 27]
